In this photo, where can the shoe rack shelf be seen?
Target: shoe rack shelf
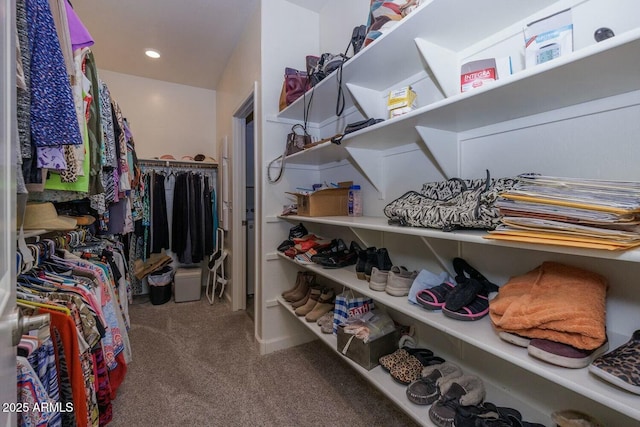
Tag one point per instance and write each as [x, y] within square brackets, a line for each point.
[466, 236]
[377, 376]
[395, 391]
[481, 334]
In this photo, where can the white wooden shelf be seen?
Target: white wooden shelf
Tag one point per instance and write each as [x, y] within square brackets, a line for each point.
[397, 392]
[481, 334]
[467, 236]
[377, 376]
[549, 86]
[321, 154]
[393, 57]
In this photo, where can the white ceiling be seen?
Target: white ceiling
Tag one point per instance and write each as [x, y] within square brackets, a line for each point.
[195, 37]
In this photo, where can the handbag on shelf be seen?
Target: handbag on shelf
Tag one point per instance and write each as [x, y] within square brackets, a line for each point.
[295, 84]
[297, 141]
[450, 205]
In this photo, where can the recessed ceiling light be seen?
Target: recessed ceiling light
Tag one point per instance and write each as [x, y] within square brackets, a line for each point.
[151, 53]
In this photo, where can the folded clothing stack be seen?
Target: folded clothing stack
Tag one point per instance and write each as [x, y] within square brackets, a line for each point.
[557, 303]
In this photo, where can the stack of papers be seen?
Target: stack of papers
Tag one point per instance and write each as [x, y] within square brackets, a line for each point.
[571, 212]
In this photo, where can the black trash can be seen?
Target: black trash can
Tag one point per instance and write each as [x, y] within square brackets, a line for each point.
[160, 285]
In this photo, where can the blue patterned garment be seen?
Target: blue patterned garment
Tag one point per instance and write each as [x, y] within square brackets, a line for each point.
[43, 362]
[53, 115]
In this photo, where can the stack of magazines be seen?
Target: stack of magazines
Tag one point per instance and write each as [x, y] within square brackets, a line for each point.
[571, 212]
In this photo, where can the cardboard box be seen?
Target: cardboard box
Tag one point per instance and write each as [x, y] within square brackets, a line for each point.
[187, 284]
[327, 202]
[400, 98]
[366, 354]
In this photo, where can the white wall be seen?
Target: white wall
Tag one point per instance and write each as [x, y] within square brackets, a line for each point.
[165, 118]
[337, 27]
[236, 85]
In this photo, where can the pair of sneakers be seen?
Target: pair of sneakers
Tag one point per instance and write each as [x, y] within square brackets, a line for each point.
[397, 281]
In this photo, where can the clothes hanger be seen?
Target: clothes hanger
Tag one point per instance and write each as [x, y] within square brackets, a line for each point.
[62, 309]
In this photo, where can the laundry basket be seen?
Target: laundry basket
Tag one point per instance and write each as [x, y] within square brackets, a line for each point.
[160, 282]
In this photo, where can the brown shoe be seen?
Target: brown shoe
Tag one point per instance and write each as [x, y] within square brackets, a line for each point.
[324, 305]
[299, 280]
[308, 280]
[302, 301]
[314, 296]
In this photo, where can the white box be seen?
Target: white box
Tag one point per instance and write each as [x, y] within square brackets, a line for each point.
[187, 284]
[548, 38]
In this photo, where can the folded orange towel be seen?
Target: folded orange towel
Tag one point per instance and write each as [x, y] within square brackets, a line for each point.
[555, 302]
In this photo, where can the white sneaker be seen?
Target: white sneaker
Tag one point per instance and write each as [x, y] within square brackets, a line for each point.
[378, 280]
[399, 281]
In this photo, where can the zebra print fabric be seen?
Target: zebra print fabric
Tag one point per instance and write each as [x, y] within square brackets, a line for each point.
[450, 205]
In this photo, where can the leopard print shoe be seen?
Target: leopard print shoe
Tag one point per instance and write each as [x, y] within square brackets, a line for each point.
[621, 367]
[410, 369]
[400, 355]
[390, 360]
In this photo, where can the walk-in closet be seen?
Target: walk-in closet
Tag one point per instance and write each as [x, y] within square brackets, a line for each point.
[320, 213]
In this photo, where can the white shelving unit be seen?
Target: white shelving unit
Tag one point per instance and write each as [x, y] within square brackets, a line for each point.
[381, 379]
[482, 335]
[438, 121]
[425, 50]
[393, 57]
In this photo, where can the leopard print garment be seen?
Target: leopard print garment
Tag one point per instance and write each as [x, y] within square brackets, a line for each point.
[71, 173]
[623, 363]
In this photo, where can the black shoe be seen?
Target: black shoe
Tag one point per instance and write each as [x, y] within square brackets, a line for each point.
[297, 231]
[335, 247]
[340, 260]
[468, 287]
[384, 262]
[361, 263]
[371, 260]
[285, 245]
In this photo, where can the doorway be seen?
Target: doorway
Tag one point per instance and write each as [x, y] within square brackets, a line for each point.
[245, 207]
[250, 203]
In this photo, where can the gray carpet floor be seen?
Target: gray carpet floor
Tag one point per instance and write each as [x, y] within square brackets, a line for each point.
[197, 365]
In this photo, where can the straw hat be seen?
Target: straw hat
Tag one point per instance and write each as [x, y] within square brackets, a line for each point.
[81, 219]
[39, 216]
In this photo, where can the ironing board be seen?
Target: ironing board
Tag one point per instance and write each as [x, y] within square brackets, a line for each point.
[216, 273]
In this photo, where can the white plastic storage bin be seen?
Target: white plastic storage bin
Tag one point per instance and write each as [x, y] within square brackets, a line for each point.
[187, 284]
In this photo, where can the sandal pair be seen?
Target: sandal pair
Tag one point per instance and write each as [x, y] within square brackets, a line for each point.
[468, 300]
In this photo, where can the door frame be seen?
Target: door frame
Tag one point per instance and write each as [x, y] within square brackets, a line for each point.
[238, 206]
[8, 169]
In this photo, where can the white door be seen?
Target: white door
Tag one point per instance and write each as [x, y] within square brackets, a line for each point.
[7, 213]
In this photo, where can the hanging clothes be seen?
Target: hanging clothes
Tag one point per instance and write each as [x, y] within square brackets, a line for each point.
[160, 224]
[31, 392]
[84, 297]
[53, 120]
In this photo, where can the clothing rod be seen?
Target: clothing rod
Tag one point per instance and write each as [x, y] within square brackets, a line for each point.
[177, 163]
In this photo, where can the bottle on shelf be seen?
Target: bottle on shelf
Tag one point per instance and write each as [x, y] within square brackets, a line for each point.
[354, 202]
